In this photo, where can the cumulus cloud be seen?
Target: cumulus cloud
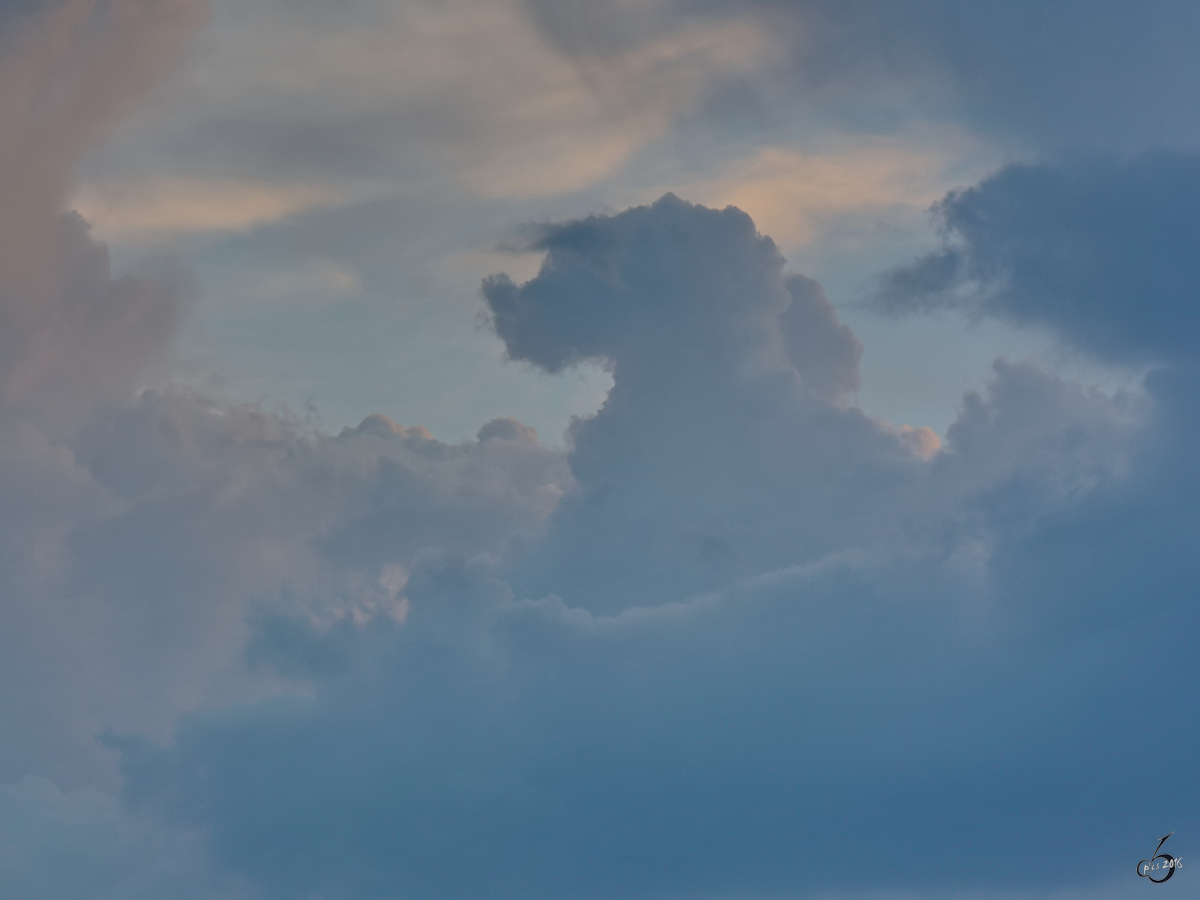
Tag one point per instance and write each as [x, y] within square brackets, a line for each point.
[75, 339]
[177, 515]
[823, 350]
[758, 629]
[142, 526]
[690, 308]
[166, 546]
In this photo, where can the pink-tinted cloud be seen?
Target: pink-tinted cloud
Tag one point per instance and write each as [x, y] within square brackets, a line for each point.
[71, 334]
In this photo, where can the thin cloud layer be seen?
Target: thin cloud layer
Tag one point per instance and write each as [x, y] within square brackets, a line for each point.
[1109, 75]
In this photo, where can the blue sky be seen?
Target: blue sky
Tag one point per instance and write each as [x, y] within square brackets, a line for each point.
[619, 449]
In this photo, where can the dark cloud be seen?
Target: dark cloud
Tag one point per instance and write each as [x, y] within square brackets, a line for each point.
[1103, 253]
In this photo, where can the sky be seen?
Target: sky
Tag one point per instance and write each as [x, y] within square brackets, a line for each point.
[608, 450]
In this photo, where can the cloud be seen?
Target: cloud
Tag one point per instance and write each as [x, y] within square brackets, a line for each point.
[823, 350]
[1099, 252]
[131, 549]
[790, 194]
[720, 364]
[1110, 74]
[162, 525]
[539, 114]
[739, 630]
[759, 628]
[731, 376]
[83, 844]
[156, 210]
[74, 336]
[67, 75]
[465, 95]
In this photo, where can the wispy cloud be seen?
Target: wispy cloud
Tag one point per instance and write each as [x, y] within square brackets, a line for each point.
[152, 210]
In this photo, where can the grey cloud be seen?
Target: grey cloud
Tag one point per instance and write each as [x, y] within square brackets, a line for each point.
[83, 844]
[1101, 252]
[140, 529]
[607, 27]
[141, 526]
[74, 339]
[733, 743]
[825, 352]
[147, 541]
[833, 672]
[12, 13]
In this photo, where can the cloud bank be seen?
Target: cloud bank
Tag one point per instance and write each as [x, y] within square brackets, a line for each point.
[758, 629]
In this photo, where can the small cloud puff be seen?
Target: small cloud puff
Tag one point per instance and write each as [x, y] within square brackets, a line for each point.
[923, 441]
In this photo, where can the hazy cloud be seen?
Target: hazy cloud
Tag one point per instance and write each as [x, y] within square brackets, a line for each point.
[1112, 74]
